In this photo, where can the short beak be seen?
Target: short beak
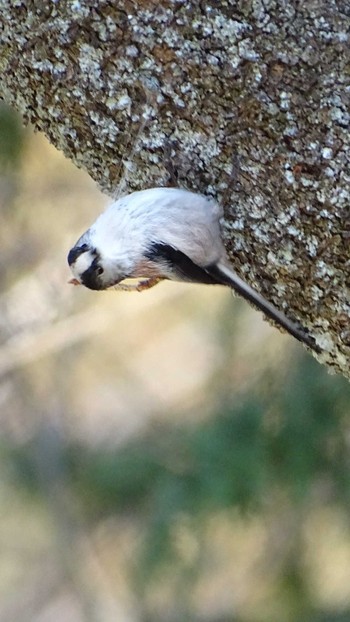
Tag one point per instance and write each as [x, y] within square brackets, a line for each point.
[74, 282]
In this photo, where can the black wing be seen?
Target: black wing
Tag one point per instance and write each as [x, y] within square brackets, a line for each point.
[180, 264]
[218, 274]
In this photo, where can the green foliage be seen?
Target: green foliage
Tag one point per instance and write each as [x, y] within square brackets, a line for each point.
[282, 446]
[234, 458]
[309, 443]
[290, 440]
[12, 137]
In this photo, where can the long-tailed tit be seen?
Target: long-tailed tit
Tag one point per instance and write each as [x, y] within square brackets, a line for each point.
[163, 233]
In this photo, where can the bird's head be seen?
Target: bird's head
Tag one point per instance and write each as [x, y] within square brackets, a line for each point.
[91, 268]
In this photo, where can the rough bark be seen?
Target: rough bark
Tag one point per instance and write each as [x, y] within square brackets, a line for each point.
[247, 101]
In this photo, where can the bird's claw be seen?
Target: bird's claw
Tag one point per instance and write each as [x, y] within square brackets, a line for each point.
[138, 287]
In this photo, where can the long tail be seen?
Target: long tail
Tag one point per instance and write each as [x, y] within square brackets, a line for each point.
[224, 275]
[185, 269]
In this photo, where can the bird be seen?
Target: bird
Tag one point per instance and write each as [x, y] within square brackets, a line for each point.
[164, 233]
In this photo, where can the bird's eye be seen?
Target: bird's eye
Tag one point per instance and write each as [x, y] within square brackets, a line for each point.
[100, 270]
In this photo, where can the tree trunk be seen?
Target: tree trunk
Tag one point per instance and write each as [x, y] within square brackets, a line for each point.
[247, 101]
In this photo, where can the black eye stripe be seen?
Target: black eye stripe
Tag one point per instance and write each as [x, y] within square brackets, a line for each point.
[75, 252]
[90, 278]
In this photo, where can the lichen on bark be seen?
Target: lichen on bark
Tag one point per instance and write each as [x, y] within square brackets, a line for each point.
[247, 101]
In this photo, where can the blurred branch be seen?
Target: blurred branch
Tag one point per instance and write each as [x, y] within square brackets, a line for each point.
[33, 331]
[243, 100]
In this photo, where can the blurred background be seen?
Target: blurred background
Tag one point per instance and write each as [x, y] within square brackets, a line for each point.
[165, 456]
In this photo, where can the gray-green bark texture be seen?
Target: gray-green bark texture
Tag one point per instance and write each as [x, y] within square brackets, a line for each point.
[247, 101]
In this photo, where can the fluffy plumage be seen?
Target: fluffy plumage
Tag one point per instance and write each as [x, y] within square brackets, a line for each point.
[163, 233]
